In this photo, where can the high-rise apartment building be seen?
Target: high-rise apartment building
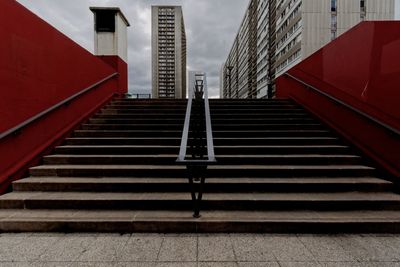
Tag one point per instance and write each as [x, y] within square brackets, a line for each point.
[287, 32]
[247, 71]
[304, 26]
[168, 52]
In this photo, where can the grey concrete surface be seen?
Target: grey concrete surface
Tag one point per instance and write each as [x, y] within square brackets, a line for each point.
[200, 250]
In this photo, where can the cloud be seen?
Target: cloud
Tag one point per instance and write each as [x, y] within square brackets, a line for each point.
[210, 27]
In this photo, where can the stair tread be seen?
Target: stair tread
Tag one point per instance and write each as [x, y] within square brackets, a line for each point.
[217, 131]
[241, 146]
[93, 196]
[260, 167]
[213, 216]
[214, 124]
[217, 156]
[215, 138]
[116, 180]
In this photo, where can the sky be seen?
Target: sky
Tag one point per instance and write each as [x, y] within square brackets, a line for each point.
[211, 26]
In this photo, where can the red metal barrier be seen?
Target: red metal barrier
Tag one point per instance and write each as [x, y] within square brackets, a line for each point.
[39, 67]
[362, 69]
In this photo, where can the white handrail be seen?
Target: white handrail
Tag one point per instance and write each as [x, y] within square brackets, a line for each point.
[185, 134]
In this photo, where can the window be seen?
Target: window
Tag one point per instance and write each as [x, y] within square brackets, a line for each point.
[105, 21]
[362, 4]
[363, 9]
[333, 5]
[333, 35]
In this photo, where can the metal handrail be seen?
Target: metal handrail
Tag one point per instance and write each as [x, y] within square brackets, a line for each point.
[197, 166]
[38, 116]
[359, 112]
[185, 134]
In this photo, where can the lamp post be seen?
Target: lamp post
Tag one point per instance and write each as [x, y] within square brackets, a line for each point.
[230, 80]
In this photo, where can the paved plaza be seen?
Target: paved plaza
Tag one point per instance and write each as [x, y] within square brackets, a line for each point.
[247, 250]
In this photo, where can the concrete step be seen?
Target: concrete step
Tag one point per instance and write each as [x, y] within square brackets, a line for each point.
[140, 115]
[222, 185]
[215, 127]
[305, 159]
[212, 107]
[212, 111]
[137, 120]
[211, 201]
[181, 105]
[219, 150]
[213, 221]
[213, 116]
[211, 101]
[146, 111]
[213, 171]
[216, 134]
[217, 141]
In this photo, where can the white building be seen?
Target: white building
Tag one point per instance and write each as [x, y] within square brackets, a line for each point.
[304, 26]
[168, 52]
[277, 34]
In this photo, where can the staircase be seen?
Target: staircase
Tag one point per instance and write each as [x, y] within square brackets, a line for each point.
[279, 170]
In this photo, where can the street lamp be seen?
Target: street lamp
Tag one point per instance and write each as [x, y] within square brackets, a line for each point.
[230, 80]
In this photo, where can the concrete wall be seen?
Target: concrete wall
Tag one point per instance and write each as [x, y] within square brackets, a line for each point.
[113, 43]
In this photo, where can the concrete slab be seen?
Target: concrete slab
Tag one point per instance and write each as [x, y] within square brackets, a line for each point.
[288, 248]
[104, 248]
[215, 248]
[176, 248]
[252, 248]
[243, 250]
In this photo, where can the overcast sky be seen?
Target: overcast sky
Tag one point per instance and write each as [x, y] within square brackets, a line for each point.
[211, 26]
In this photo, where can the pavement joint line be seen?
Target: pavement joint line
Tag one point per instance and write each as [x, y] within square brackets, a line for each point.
[159, 250]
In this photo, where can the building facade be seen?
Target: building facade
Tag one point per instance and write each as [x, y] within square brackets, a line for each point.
[168, 52]
[240, 69]
[287, 32]
[304, 26]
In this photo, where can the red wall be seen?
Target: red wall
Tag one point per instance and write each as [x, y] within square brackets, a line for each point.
[121, 67]
[362, 69]
[39, 67]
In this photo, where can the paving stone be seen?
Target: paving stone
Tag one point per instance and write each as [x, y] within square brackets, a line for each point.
[141, 248]
[288, 248]
[215, 248]
[217, 264]
[178, 248]
[252, 248]
[35, 264]
[342, 264]
[299, 264]
[68, 248]
[373, 248]
[105, 248]
[94, 264]
[18, 264]
[326, 248]
[8, 242]
[176, 264]
[24, 249]
[258, 264]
